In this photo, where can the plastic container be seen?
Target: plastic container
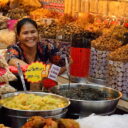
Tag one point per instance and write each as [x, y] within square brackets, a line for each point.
[81, 59]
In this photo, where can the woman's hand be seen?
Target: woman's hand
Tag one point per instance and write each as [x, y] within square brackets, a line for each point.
[63, 69]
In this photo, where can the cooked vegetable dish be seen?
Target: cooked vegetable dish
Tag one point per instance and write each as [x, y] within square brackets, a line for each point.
[33, 102]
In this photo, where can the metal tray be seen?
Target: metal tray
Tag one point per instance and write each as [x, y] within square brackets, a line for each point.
[97, 81]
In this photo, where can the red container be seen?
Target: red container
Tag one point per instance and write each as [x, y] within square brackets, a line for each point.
[81, 60]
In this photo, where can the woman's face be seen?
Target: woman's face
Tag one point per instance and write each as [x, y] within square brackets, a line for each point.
[28, 35]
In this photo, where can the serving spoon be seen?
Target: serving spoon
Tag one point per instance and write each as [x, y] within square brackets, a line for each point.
[21, 77]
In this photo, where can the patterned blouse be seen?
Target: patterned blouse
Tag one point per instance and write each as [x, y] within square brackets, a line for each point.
[43, 53]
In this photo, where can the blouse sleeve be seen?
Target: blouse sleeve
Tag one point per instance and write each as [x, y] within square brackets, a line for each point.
[12, 52]
[52, 53]
[56, 56]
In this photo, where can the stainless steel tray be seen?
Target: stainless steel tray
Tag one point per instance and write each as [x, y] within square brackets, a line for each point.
[28, 113]
[97, 81]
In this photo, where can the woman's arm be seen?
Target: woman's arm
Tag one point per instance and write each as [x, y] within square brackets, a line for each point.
[54, 56]
[63, 69]
[13, 56]
[14, 61]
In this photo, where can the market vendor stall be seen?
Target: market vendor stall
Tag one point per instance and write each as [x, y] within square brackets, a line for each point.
[92, 33]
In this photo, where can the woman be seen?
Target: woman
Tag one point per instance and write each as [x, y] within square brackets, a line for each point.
[28, 49]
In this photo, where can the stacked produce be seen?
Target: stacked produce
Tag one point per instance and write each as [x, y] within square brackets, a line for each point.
[98, 24]
[93, 28]
[68, 30]
[6, 88]
[16, 13]
[106, 28]
[117, 69]
[30, 3]
[5, 76]
[48, 31]
[4, 5]
[118, 32]
[3, 22]
[106, 43]
[121, 54]
[43, 13]
[25, 3]
[61, 28]
[54, 30]
[7, 37]
[100, 49]
[65, 19]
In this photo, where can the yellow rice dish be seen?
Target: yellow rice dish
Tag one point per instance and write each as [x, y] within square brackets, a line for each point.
[33, 102]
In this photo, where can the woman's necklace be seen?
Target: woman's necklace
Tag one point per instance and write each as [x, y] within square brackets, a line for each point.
[30, 58]
[29, 54]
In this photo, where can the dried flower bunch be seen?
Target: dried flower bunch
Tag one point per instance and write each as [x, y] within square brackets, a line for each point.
[106, 42]
[120, 54]
[16, 13]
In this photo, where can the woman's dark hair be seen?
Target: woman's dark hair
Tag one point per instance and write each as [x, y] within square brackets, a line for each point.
[22, 22]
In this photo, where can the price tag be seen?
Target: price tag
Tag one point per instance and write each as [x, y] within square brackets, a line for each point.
[34, 71]
[54, 71]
